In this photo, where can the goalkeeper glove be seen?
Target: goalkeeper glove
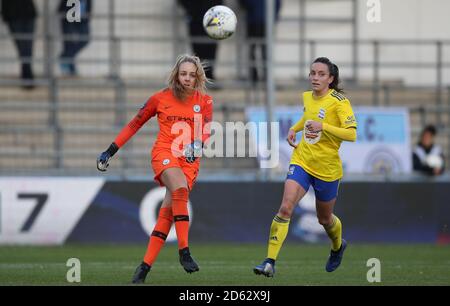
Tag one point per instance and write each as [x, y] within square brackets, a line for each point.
[103, 159]
[193, 150]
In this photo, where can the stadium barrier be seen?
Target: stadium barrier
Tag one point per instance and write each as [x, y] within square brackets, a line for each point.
[93, 210]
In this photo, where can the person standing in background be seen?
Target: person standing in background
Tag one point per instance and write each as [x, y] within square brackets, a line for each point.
[256, 30]
[427, 156]
[75, 35]
[20, 16]
[195, 10]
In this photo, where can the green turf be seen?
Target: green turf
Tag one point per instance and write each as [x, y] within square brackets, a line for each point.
[227, 264]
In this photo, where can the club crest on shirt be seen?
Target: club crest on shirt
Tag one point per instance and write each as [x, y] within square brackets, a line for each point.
[321, 114]
[166, 162]
[196, 108]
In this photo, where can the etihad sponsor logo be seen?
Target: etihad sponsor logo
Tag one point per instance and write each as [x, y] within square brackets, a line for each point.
[180, 118]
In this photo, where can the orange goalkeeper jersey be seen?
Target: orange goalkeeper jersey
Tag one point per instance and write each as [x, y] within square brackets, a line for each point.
[176, 119]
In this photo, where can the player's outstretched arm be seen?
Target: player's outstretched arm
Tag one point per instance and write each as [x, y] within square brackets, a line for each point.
[144, 114]
[103, 159]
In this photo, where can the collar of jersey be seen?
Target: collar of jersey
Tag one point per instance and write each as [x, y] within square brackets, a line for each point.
[320, 98]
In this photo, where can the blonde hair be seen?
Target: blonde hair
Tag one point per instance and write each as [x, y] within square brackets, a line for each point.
[200, 80]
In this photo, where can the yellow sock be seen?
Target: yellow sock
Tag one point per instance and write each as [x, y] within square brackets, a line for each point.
[278, 232]
[334, 231]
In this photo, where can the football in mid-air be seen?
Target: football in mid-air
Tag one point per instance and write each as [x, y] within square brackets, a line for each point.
[219, 22]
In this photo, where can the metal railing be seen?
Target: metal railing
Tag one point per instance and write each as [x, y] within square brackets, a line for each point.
[115, 61]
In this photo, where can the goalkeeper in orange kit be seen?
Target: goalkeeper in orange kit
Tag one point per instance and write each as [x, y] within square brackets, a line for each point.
[175, 157]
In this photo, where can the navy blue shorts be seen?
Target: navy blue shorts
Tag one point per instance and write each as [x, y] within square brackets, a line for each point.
[325, 191]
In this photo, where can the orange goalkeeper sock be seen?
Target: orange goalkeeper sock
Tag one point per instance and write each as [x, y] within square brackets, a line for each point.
[159, 235]
[181, 216]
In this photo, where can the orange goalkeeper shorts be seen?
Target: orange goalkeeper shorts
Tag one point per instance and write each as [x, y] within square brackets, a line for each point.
[163, 159]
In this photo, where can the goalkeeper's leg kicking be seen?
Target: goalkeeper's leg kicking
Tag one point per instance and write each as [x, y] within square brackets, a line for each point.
[174, 209]
[178, 175]
[175, 166]
[157, 239]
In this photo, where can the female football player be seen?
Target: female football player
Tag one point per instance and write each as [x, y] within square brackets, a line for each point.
[183, 111]
[327, 120]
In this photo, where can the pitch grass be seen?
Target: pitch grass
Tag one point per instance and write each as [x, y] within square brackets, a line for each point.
[226, 264]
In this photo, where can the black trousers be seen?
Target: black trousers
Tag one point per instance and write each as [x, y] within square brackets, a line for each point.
[76, 39]
[195, 11]
[24, 45]
[257, 69]
[205, 51]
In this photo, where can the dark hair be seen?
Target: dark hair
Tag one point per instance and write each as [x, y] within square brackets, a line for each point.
[334, 71]
[431, 129]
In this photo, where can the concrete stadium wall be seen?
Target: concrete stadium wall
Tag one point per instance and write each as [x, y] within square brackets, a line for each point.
[400, 19]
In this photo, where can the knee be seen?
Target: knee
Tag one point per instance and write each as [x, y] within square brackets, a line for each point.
[286, 209]
[180, 193]
[325, 221]
[178, 183]
[173, 179]
[284, 212]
